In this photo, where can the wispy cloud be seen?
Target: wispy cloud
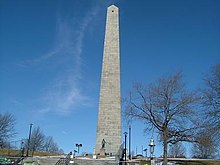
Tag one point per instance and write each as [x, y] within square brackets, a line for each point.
[65, 93]
[63, 96]
[16, 102]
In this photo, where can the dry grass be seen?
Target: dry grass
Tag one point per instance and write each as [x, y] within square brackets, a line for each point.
[192, 162]
[200, 162]
[17, 153]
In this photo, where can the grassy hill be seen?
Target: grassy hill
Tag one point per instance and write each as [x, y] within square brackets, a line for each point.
[17, 153]
[200, 162]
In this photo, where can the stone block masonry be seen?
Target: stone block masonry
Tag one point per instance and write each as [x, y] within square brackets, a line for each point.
[109, 117]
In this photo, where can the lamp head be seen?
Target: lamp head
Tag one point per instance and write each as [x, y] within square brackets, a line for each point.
[152, 144]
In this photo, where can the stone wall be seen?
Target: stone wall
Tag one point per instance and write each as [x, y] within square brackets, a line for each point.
[94, 162]
[102, 162]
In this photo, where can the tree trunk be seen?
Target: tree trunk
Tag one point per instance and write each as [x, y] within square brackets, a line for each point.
[165, 147]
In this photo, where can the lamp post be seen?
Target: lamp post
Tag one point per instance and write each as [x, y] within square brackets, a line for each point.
[29, 138]
[74, 152]
[145, 150]
[129, 142]
[125, 133]
[78, 146]
[152, 145]
[22, 148]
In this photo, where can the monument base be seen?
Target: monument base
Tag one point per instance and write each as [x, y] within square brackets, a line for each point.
[102, 152]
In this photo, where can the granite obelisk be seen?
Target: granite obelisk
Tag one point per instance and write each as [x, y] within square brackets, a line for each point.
[108, 134]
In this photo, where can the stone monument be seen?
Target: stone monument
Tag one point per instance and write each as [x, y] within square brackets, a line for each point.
[109, 116]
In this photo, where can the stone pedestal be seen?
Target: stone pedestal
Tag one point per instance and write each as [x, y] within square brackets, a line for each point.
[94, 156]
[102, 152]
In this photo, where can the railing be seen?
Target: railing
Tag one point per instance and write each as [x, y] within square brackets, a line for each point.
[19, 160]
[65, 160]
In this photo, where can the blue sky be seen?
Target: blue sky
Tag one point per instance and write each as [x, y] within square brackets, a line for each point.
[51, 55]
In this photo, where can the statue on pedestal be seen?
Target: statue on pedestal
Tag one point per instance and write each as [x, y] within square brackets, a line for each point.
[102, 150]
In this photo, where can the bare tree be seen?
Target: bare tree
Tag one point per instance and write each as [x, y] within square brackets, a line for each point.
[7, 123]
[50, 145]
[211, 99]
[205, 147]
[61, 151]
[166, 106]
[177, 150]
[37, 140]
[40, 142]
